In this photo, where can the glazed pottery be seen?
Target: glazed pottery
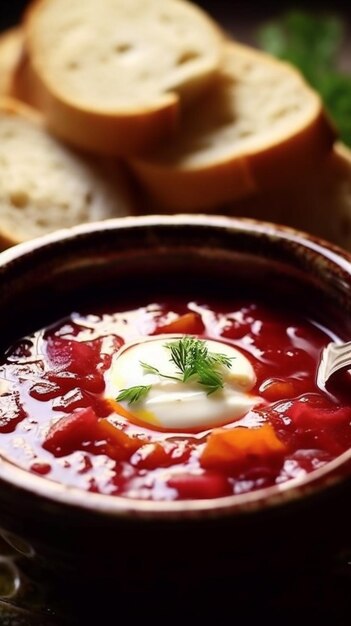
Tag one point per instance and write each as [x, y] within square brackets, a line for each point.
[86, 536]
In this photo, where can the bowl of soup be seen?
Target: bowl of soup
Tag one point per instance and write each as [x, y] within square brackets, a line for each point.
[159, 410]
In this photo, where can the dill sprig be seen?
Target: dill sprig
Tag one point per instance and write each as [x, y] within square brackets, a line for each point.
[133, 394]
[193, 362]
[192, 358]
[150, 369]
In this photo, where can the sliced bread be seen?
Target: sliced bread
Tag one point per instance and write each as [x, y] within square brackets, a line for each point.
[110, 77]
[44, 185]
[259, 128]
[320, 204]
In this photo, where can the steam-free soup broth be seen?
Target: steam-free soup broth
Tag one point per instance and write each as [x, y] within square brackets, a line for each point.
[172, 400]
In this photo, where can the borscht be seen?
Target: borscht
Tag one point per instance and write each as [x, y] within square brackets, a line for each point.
[172, 400]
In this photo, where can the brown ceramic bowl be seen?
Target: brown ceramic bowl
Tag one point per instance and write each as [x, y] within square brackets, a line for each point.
[83, 535]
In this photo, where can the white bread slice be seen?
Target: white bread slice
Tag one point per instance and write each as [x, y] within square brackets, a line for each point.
[260, 127]
[320, 204]
[44, 185]
[110, 76]
[11, 46]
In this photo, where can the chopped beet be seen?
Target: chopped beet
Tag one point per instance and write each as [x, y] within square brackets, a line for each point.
[309, 417]
[94, 382]
[207, 485]
[154, 455]
[71, 431]
[65, 381]
[76, 356]
[77, 398]
[327, 429]
[41, 468]
[44, 391]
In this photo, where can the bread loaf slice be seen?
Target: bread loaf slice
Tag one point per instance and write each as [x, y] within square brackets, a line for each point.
[320, 204]
[259, 128]
[11, 46]
[44, 185]
[110, 77]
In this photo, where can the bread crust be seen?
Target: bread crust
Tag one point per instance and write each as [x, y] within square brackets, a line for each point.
[114, 130]
[175, 184]
[15, 78]
[319, 203]
[108, 134]
[18, 108]
[11, 47]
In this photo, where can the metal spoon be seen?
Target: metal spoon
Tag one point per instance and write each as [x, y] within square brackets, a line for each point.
[336, 357]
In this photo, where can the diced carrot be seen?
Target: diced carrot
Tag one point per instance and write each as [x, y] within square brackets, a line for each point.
[277, 389]
[120, 410]
[151, 456]
[237, 448]
[187, 324]
[119, 438]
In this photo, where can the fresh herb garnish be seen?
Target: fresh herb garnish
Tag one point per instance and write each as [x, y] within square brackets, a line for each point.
[313, 44]
[133, 394]
[192, 358]
[193, 361]
[153, 370]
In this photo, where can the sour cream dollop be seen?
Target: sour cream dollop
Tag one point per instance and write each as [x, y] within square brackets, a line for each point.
[174, 405]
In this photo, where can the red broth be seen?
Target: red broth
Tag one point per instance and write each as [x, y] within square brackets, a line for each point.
[56, 421]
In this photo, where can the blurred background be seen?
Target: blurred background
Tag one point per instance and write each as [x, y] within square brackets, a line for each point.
[237, 15]
[232, 12]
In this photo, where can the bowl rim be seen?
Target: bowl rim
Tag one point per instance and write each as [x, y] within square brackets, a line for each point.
[316, 244]
[294, 489]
